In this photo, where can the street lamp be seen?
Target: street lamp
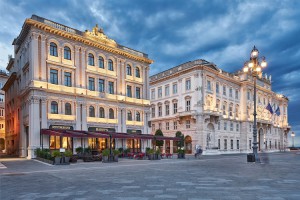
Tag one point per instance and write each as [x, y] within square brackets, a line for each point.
[254, 68]
[293, 135]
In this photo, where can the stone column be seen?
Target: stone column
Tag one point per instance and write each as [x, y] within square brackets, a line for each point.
[146, 119]
[43, 59]
[34, 126]
[171, 146]
[83, 67]
[22, 143]
[77, 66]
[44, 120]
[34, 58]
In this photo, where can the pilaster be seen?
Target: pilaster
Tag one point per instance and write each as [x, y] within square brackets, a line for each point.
[34, 126]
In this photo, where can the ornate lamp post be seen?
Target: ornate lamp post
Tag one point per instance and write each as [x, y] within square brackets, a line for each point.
[254, 68]
[293, 135]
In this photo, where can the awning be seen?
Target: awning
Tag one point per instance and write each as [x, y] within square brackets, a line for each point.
[89, 134]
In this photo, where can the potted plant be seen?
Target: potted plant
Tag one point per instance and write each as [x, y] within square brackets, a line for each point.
[151, 154]
[105, 155]
[157, 154]
[181, 154]
[68, 154]
[57, 157]
[116, 155]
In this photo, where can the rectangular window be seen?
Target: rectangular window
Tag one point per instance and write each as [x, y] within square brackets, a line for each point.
[175, 88]
[153, 94]
[225, 126]
[101, 85]
[231, 126]
[175, 125]
[159, 111]
[231, 144]
[137, 92]
[188, 123]
[167, 126]
[159, 92]
[91, 84]
[237, 127]
[188, 105]
[230, 92]
[174, 108]
[217, 88]
[167, 90]
[250, 144]
[224, 90]
[208, 85]
[219, 144]
[153, 112]
[111, 87]
[53, 76]
[236, 94]
[68, 81]
[187, 84]
[237, 144]
[129, 92]
[167, 109]
[225, 143]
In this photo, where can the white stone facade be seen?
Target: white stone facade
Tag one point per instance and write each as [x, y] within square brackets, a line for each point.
[63, 77]
[215, 109]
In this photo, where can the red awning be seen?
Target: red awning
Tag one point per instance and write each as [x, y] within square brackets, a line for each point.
[87, 134]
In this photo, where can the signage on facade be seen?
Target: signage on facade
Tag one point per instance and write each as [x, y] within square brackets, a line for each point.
[101, 129]
[61, 127]
[134, 131]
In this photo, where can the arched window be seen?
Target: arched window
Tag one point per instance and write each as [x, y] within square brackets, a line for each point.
[91, 111]
[101, 112]
[67, 53]
[53, 49]
[128, 70]
[68, 109]
[111, 113]
[110, 65]
[129, 116]
[101, 62]
[91, 59]
[137, 72]
[54, 107]
[138, 116]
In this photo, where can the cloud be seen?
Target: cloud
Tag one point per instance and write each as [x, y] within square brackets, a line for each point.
[163, 17]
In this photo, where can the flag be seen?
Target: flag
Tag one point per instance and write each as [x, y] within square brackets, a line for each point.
[269, 108]
[277, 112]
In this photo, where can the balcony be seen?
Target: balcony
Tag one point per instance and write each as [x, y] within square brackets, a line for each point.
[61, 117]
[212, 111]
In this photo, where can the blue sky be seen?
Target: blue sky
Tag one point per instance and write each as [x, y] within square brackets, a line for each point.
[172, 32]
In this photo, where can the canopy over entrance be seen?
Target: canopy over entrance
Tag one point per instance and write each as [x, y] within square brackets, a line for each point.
[103, 134]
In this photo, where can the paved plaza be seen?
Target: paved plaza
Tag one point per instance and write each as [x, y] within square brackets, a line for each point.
[211, 177]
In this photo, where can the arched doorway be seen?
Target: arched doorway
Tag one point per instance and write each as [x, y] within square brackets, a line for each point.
[188, 144]
[210, 136]
[261, 139]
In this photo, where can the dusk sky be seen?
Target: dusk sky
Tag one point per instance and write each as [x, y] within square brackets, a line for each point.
[173, 32]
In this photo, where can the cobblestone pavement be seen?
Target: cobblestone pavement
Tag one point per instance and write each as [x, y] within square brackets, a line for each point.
[211, 177]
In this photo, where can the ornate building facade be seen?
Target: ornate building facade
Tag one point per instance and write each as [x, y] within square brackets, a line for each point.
[62, 78]
[214, 109]
[3, 79]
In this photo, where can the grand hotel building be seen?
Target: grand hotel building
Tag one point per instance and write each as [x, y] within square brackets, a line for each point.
[214, 109]
[62, 78]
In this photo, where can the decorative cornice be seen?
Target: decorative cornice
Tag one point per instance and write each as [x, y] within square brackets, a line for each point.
[87, 39]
